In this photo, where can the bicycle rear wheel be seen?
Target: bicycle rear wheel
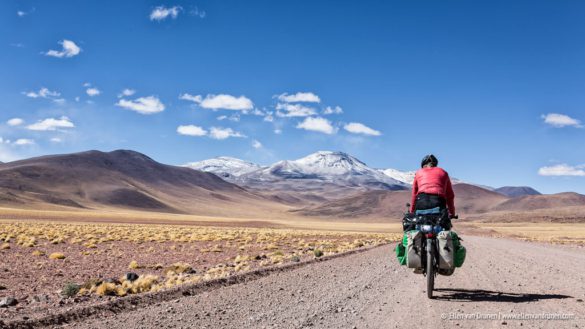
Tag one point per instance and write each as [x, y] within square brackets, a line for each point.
[430, 272]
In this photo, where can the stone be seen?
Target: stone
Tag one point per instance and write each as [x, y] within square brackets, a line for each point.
[131, 276]
[8, 301]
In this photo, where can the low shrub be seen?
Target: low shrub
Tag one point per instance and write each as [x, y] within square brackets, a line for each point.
[70, 289]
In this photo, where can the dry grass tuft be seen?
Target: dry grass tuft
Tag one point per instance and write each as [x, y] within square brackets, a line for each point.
[106, 289]
[178, 268]
[57, 255]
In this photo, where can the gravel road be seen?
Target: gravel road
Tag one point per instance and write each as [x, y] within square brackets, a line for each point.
[500, 278]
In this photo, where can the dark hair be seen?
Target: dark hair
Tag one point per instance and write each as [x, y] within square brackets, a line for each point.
[429, 159]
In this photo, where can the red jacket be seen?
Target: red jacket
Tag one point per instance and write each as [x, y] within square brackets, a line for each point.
[433, 180]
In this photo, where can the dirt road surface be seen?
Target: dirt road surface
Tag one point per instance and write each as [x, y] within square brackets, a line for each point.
[501, 278]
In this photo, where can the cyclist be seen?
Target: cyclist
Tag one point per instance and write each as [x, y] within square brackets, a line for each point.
[432, 189]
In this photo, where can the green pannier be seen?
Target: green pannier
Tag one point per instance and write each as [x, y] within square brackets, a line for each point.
[460, 251]
[401, 250]
[459, 257]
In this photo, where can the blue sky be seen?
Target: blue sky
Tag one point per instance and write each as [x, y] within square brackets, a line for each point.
[496, 89]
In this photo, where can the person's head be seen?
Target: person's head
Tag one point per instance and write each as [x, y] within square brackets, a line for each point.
[429, 161]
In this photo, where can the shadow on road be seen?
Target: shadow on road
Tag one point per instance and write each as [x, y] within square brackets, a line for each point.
[477, 295]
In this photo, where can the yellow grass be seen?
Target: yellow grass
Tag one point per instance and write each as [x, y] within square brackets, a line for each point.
[390, 225]
[291, 241]
[57, 255]
[178, 268]
[546, 232]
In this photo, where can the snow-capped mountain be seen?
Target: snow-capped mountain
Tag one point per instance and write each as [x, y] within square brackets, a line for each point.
[226, 167]
[322, 174]
[402, 176]
[328, 167]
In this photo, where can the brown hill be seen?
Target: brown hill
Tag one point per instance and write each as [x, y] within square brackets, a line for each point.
[514, 191]
[531, 202]
[370, 204]
[391, 204]
[121, 179]
[470, 199]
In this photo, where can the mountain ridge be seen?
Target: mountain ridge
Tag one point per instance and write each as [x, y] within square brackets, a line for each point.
[325, 166]
[122, 179]
[323, 184]
[514, 191]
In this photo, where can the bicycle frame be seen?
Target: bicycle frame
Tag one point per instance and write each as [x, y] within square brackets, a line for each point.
[429, 226]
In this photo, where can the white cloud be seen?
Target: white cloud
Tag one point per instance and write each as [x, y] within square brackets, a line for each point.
[258, 112]
[191, 130]
[214, 132]
[562, 170]
[18, 142]
[307, 97]
[143, 105]
[15, 122]
[161, 13]
[561, 120]
[192, 98]
[22, 13]
[333, 110]
[256, 144]
[223, 133]
[91, 92]
[70, 49]
[198, 13]
[359, 128]
[294, 110]
[221, 101]
[318, 124]
[51, 124]
[42, 93]
[56, 140]
[278, 131]
[269, 118]
[24, 141]
[233, 117]
[126, 92]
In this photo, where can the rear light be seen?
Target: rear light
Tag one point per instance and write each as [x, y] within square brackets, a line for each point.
[429, 235]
